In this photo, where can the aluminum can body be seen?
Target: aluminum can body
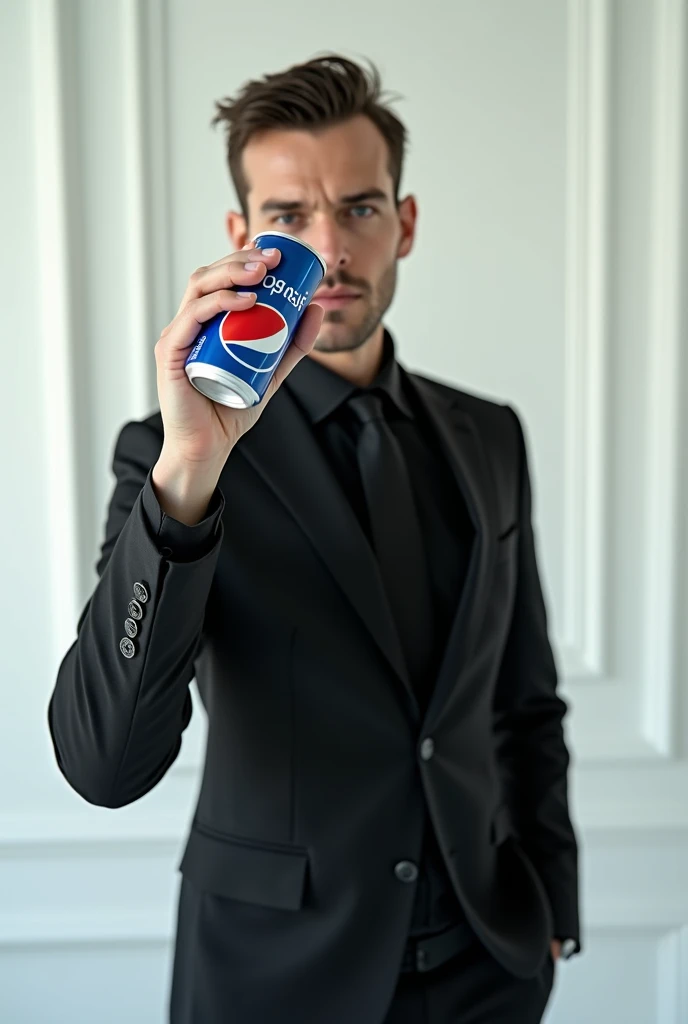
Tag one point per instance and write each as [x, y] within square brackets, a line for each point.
[235, 355]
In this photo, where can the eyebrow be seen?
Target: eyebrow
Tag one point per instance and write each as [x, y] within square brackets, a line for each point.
[285, 206]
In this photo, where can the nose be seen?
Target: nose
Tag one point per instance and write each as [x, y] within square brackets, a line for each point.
[327, 236]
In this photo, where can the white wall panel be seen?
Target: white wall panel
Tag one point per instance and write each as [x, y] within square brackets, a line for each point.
[77, 983]
[551, 177]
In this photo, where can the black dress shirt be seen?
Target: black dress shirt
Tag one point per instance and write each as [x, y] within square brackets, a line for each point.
[447, 531]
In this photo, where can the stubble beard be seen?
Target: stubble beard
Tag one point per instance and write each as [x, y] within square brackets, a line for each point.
[358, 334]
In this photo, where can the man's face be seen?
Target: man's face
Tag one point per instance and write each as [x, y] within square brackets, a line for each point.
[333, 189]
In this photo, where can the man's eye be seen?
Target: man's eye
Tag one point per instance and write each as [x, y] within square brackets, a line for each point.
[362, 211]
[280, 219]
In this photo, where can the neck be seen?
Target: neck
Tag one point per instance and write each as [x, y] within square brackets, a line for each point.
[359, 365]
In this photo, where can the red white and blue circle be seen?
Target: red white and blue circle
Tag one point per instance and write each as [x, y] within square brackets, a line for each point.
[252, 336]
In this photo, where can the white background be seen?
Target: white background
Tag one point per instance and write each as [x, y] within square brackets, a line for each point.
[548, 158]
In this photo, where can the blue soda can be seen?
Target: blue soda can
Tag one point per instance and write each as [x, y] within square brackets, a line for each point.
[236, 353]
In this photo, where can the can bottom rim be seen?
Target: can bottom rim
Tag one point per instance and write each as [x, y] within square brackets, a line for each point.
[221, 386]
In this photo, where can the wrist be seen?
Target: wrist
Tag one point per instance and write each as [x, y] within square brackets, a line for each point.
[184, 490]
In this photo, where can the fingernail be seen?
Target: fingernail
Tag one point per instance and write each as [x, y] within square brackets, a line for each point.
[247, 295]
[251, 266]
[268, 252]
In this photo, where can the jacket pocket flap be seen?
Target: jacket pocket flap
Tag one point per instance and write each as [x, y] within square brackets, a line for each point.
[243, 870]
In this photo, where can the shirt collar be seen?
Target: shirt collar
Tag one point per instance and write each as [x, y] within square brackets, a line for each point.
[320, 390]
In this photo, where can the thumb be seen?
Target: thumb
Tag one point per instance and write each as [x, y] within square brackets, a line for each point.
[301, 344]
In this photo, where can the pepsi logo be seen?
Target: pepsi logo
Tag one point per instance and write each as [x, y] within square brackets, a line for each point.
[252, 336]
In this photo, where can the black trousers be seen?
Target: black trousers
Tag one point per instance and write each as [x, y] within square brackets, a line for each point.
[471, 988]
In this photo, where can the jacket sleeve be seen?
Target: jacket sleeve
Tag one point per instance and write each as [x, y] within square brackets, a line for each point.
[116, 722]
[528, 722]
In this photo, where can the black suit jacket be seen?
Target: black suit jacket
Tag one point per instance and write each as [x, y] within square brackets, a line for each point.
[314, 785]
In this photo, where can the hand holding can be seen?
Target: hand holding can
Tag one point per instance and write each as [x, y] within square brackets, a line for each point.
[198, 430]
[238, 351]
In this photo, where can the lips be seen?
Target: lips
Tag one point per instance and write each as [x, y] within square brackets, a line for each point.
[333, 300]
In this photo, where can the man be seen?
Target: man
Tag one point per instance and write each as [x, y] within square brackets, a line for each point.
[348, 569]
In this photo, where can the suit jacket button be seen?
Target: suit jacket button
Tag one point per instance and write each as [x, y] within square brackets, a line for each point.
[135, 610]
[427, 748]
[140, 593]
[130, 627]
[126, 647]
[406, 871]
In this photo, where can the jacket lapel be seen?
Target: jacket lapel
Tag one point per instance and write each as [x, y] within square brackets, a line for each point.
[283, 450]
[459, 439]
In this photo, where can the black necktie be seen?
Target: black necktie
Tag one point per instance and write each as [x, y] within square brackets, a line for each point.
[396, 535]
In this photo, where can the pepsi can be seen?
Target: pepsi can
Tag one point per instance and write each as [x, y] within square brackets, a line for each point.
[235, 355]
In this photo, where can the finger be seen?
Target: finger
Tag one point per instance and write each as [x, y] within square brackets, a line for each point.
[227, 275]
[301, 344]
[248, 252]
[183, 330]
[221, 273]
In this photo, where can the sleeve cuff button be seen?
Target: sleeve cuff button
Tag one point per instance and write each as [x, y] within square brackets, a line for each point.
[127, 647]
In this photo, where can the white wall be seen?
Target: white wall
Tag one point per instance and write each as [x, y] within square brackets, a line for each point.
[548, 158]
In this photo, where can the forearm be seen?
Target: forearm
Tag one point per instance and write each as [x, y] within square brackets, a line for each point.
[184, 490]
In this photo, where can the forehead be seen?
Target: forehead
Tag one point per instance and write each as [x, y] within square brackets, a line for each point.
[344, 158]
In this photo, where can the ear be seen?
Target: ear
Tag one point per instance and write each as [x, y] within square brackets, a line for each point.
[237, 229]
[408, 215]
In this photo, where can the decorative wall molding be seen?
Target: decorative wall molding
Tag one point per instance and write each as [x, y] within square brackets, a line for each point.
[147, 170]
[100, 926]
[612, 722]
[55, 315]
[585, 342]
[137, 179]
[660, 690]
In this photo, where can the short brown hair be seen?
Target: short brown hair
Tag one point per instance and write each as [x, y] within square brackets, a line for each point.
[317, 94]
